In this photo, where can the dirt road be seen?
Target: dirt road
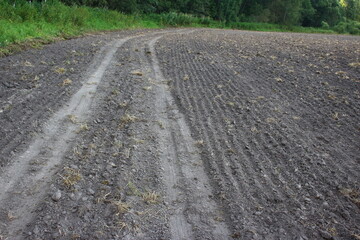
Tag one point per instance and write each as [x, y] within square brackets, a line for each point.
[182, 134]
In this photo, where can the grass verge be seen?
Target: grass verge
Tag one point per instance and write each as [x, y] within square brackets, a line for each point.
[32, 24]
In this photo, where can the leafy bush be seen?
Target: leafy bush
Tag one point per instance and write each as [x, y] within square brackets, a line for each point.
[352, 27]
[177, 19]
[325, 25]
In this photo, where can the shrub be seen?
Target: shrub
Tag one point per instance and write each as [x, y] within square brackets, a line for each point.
[177, 19]
[352, 27]
[325, 25]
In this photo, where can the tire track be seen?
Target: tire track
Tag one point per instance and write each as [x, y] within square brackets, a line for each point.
[49, 146]
[182, 163]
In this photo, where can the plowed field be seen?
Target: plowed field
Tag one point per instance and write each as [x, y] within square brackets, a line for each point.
[182, 134]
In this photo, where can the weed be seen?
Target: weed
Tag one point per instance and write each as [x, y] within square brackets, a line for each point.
[186, 77]
[71, 177]
[335, 116]
[150, 197]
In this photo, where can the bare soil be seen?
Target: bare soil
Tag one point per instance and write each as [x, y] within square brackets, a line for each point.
[182, 134]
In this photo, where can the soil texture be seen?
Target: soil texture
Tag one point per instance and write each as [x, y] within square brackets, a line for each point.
[182, 134]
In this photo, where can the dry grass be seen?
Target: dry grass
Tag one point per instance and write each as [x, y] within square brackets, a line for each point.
[199, 143]
[133, 189]
[127, 119]
[123, 105]
[161, 124]
[332, 96]
[10, 216]
[356, 236]
[335, 116]
[352, 194]
[332, 231]
[150, 197]
[123, 225]
[71, 177]
[137, 73]
[72, 118]
[28, 64]
[60, 70]
[147, 88]
[138, 141]
[122, 207]
[279, 79]
[231, 104]
[66, 82]
[270, 120]
[186, 77]
[354, 64]
[83, 127]
[254, 130]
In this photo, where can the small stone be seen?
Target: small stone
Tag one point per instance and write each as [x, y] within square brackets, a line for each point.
[325, 204]
[56, 196]
[91, 192]
[325, 235]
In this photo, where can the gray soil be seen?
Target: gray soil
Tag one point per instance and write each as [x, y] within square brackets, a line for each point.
[182, 134]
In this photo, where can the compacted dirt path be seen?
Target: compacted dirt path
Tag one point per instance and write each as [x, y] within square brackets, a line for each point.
[182, 134]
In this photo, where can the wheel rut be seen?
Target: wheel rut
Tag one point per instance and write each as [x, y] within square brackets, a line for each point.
[191, 211]
[186, 182]
[22, 186]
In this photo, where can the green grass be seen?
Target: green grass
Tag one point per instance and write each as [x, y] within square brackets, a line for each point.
[28, 22]
[38, 23]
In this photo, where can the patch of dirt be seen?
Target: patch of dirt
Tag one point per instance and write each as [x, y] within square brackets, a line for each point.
[181, 134]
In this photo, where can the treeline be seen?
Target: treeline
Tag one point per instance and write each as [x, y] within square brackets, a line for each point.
[307, 13]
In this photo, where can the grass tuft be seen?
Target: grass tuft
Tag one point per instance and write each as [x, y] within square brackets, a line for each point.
[150, 197]
[71, 177]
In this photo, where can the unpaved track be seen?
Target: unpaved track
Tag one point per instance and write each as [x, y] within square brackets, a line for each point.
[182, 134]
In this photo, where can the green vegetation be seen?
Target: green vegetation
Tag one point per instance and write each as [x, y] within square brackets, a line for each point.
[23, 20]
[37, 22]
